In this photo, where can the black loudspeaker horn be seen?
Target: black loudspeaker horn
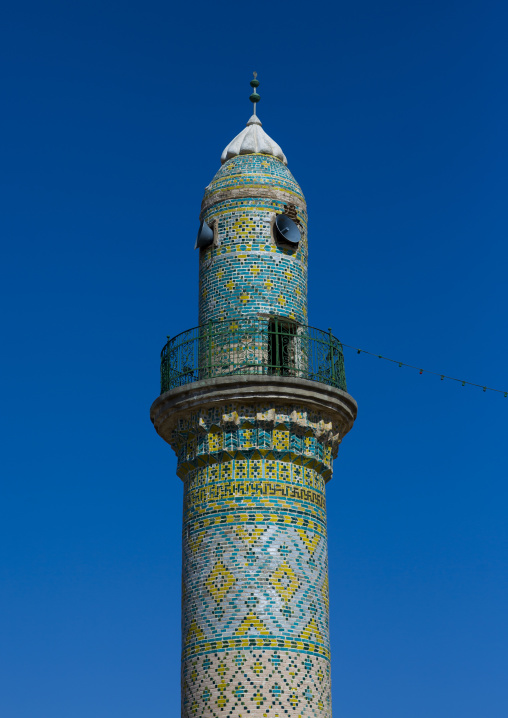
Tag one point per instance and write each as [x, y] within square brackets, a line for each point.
[286, 230]
[205, 236]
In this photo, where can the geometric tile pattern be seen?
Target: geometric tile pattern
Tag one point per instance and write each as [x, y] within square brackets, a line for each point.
[257, 683]
[292, 433]
[255, 586]
[247, 271]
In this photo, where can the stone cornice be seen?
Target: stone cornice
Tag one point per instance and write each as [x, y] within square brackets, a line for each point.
[336, 405]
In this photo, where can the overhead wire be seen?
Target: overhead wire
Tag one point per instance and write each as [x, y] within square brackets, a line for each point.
[463, 382]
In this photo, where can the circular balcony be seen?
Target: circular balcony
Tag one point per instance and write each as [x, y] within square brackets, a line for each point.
[252, 346]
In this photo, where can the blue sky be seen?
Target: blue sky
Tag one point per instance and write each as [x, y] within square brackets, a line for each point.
[393, 117]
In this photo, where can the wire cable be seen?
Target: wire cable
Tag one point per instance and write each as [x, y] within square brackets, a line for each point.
[427, 371]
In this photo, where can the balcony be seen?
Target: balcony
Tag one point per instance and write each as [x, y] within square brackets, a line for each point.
[252, 346]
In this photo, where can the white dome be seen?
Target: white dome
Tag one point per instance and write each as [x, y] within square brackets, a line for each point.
[253, 139]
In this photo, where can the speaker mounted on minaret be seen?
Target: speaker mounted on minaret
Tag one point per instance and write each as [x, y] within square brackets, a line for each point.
[286, 230]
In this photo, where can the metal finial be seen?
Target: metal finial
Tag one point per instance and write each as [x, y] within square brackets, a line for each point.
[254, 98]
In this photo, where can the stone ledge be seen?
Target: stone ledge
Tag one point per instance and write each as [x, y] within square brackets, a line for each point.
[279, 390]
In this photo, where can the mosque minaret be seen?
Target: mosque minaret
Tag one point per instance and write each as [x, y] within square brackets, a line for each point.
[254, 403]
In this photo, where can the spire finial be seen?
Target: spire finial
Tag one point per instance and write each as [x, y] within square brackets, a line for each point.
[254, 98]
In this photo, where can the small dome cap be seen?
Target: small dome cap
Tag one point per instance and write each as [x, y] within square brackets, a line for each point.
[253, 140]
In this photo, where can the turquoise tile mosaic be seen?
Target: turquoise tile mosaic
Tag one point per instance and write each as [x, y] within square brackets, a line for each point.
[246, 272]
[255, 569]
[255, 621]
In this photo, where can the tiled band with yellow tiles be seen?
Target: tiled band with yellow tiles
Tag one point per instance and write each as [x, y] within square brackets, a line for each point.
[246, 271]
[246, 684]
[306, 439]
[255, 568]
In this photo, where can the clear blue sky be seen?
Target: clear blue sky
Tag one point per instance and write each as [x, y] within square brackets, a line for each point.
[393, 117]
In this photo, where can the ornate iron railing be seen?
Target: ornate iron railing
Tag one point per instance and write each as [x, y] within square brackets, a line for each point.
[252, 346]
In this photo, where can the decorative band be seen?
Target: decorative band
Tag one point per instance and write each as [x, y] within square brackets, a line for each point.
[239, 489]
[235, 644]
[256, 517]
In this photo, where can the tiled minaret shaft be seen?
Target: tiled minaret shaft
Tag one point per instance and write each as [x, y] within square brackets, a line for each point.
[245, 270]
[255, 446]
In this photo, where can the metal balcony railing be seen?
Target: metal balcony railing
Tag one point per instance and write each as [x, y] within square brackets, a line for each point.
[275, 347]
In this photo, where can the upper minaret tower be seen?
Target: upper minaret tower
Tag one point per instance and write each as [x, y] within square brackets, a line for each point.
[250, 268]
[254, 403]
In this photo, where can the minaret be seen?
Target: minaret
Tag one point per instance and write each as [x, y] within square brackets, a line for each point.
[254, 403]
